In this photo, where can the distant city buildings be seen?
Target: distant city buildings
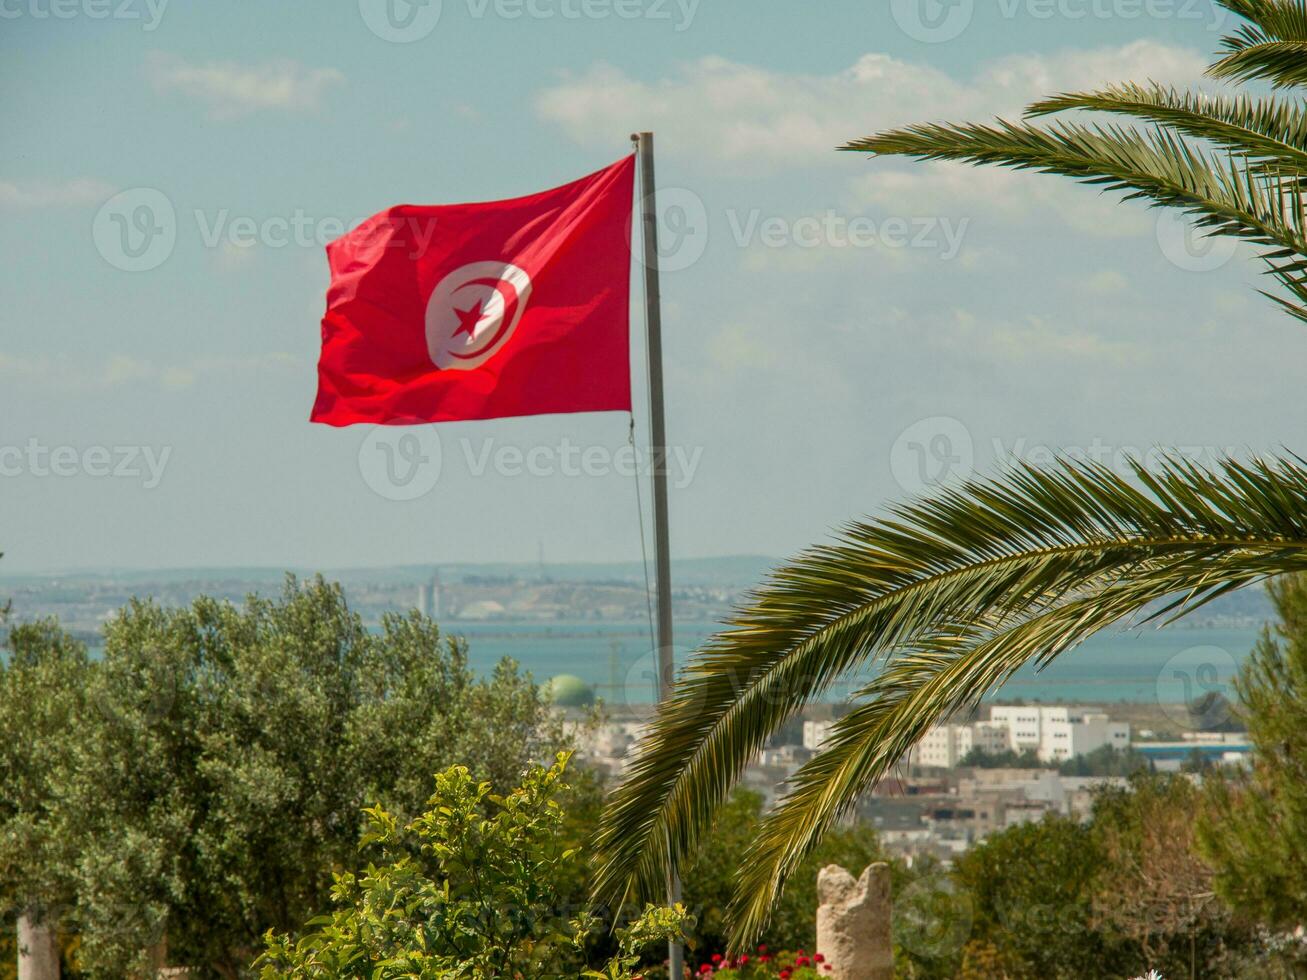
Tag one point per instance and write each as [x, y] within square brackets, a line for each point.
[429, 597]
[933, 805]
[815, 734]
[1054, 733]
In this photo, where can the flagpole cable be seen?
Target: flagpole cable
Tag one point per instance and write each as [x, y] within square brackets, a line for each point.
[644, 550]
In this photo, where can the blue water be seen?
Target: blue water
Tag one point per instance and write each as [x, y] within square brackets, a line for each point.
[1169, 666]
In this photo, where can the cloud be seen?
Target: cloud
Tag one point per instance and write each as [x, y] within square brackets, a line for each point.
[1105, 282]
[718, 110]
[1035, 340]
[232, 90]
[121, 370]
[53, 193]
[965, 191]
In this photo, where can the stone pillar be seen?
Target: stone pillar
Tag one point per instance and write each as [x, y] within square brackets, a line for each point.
[38, 949]
[853, 923]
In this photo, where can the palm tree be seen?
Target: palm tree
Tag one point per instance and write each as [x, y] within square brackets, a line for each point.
[950, 595]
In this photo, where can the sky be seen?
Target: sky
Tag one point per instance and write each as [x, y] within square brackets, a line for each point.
[840, 332]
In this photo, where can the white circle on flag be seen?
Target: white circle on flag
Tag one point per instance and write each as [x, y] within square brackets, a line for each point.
[473, 311]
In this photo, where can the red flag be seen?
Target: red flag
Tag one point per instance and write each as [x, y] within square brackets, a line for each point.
[477, 311]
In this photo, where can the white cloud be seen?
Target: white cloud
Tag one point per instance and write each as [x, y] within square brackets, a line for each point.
[1106, 282]
[719, 110]
[1035, 340]
[52, 193]
[961, 190]
[122, 370]
[231, 90]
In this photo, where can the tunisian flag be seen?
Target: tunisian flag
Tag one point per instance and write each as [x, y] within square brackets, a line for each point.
[478, 311]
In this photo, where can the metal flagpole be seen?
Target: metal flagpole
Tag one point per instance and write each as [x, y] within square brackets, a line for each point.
[644, 146]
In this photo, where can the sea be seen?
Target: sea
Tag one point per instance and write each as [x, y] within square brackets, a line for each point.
[1172, 665]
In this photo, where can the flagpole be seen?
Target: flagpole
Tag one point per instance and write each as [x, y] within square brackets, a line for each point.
[644, 146]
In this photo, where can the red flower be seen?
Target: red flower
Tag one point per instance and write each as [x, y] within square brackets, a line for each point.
[785, 975]
[716, 957]
[744, 959]
[819, 958]
[762, 947]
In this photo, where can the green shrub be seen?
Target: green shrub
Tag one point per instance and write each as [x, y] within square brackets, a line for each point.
[468, 890]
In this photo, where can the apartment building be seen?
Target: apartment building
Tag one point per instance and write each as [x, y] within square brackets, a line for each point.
[1058, 733]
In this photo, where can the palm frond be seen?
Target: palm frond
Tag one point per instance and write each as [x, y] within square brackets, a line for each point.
[1271, 46]
[1270, 132]
[948, 596]
[1270, 20]
[1161, 166]
[1282, 63]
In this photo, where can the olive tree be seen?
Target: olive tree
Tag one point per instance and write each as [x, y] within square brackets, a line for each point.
[230, 751]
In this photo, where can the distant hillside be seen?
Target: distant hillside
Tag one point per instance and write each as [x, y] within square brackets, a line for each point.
[729, 570]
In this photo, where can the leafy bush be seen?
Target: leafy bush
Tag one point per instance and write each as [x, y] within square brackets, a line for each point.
[468, 890]
[195, 787]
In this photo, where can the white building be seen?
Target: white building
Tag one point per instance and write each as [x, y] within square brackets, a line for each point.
[815, 733]
[943, 747]
[1057, 734]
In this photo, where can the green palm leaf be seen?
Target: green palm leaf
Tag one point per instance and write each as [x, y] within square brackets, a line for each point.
[947, 597]
[1272, 133]
[1272, 46]
[1268, 20]
[950, 596]
[1161, 166]
[1283, 63]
